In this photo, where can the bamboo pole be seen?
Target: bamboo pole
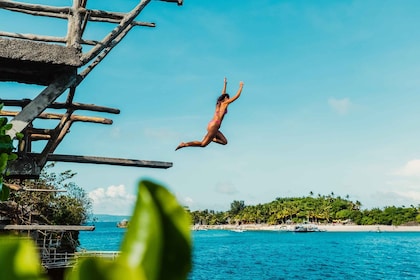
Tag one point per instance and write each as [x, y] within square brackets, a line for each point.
[109, 161]
[105, 52]
[74, 26]
[6, 4]
[40, 38]
[48, 227]
[57, 105]
[40, 103]
[54, 116]
[95, 15]
[115, 32]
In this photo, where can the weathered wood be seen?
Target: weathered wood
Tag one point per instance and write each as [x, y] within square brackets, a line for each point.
[110, 161]
[58, 105]
[41, 190]
[61, 130]
[115, 32]
[74, 26]
[20, 188]
[40, 103]
[34, 7]
[39, 38]
[50, 11]
[105, 52]
[36, 137]
[53, 116]
[48, 227]
[94, 15]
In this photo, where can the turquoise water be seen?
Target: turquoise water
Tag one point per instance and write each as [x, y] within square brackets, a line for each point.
[224, 255]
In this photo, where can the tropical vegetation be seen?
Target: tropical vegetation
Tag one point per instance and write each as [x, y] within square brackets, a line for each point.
[53, 200]
[6, 154]
[315, 209]
[156, 246]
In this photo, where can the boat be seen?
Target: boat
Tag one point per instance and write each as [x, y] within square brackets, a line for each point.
[238, 229]
[123, 223]
[306, 228]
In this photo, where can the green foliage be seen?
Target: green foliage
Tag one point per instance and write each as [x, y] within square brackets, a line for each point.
[237, 206]
[321, 209]
[56, 208]
[6, 154]
[19, 260]
[156, 246]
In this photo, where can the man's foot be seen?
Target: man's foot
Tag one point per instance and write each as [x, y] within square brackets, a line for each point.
[182, 145]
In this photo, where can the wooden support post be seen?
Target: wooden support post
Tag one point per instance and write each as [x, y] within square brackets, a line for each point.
[46, 97]
[74, 26]
[109, 161]
[115, 32]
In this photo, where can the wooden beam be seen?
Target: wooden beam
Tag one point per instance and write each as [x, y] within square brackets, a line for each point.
[34, 8]
[109, 161]
[32, 37]
[48, 227]
[74, 26]
[125, 22]
[53, 116]
[17, 187]
[95, 15]
[57, 105]
[40, 103]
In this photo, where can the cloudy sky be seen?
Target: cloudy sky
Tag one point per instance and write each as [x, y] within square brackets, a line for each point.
[330, 102]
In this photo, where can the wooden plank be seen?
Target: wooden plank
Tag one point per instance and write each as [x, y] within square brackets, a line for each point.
[53, 116]
[125, 22]
[57, 105]
[40, 103]
[48, 227]
[109, 161]
[35, 8]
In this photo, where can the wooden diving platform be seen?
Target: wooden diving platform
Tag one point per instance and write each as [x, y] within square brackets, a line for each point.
[60, 64]
[47, 227]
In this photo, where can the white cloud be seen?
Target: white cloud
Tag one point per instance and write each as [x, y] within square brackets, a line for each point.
[341, 106]
[112, 200]
[410, 169]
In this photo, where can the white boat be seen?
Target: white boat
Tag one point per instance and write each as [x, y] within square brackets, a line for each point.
[238, 229]
[123, 223]
[306, 228]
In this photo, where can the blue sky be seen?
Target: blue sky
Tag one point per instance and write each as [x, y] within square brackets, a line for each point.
[330, 101]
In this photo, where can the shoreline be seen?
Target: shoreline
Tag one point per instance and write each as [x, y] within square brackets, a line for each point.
[326, 228]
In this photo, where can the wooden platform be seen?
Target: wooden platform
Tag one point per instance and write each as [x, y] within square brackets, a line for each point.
[35, 62]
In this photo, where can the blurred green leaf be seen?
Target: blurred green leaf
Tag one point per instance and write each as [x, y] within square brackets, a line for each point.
[156, 246]
[101, 269]
[4, 192]
[143, 241]
[3, 161]
[12, 157]
[159, 236]
[176, 255]
[19, 260]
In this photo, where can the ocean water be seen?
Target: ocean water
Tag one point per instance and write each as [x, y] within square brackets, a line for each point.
[219, 254]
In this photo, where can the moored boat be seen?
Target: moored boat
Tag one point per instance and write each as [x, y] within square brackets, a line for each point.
[123, 223]
[306, 228]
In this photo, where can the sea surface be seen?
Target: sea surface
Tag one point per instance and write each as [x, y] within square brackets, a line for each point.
[223, 254]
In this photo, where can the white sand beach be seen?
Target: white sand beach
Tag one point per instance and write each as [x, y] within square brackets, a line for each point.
[328, 228]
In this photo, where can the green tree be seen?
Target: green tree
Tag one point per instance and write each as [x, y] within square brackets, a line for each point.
[236, 207]
[53, 206]
[6, 154]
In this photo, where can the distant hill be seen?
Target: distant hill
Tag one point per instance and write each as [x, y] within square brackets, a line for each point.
[108, 218]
